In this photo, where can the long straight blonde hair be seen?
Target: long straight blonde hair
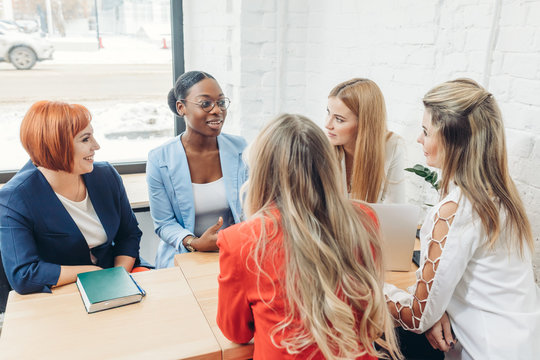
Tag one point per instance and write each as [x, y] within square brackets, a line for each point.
[332, 255]
[364, 98]
[470, 127]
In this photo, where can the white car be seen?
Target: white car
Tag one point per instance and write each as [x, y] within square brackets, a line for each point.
[23, 50]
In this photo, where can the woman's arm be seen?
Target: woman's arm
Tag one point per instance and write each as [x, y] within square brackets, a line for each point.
[68, 274]
[126, 261]
[448, 253]
[165, 223]
[25, 270]
[234, 316]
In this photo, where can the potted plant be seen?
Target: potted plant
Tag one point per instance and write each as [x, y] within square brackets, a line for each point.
[430, 176]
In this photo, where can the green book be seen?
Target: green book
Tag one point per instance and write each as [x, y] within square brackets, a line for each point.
[108, 288]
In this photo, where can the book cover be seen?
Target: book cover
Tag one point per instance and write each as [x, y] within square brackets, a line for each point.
[108, 288]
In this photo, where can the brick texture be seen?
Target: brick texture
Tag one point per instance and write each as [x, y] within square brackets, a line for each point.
[277, 56]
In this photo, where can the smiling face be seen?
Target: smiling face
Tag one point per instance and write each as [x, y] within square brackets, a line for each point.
[431, 141]
[341, 124]
[84, 148]
[198, 120]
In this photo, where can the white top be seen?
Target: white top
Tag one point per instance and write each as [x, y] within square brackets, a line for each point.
[490, 296]
[210, 202]
[393, 189]
[86, 219]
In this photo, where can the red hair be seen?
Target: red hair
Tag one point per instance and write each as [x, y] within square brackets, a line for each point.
[48, 130]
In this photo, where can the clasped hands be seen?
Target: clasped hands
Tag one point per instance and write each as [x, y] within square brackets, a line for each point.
[441, 336]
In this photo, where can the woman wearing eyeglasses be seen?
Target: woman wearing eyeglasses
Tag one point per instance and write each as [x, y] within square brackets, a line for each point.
[195, 178]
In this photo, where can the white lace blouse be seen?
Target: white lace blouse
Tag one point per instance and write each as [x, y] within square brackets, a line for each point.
[490, 295]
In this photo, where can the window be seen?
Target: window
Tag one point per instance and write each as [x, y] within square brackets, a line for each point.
[116, 61]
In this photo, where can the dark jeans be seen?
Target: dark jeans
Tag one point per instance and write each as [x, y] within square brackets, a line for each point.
[416, 346]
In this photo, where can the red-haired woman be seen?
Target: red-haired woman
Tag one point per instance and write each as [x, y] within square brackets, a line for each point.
[62, 214]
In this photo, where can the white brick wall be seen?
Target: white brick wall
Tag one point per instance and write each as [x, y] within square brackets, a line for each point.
[276, 56]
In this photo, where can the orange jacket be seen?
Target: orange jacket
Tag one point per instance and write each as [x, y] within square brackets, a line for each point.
[242, 314]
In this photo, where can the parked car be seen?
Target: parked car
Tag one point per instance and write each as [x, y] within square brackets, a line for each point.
[23, 50]
[27, 26]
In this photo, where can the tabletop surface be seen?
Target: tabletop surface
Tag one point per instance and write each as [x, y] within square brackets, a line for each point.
[166, 324]
[201, 270]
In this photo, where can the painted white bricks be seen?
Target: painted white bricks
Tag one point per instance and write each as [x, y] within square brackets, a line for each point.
[522, 65]
[279, 56]
[526, 91]
[516, 39]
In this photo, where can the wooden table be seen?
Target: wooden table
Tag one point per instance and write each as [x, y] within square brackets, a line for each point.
[166, 324]
[201, 271]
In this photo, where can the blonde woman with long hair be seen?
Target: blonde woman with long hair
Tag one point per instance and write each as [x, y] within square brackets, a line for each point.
[372, 158]
[303, 274]
[476, 259]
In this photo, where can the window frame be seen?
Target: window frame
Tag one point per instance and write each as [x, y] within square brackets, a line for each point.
[177, 50]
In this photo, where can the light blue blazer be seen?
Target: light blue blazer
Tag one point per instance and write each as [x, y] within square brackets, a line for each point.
[171, 193]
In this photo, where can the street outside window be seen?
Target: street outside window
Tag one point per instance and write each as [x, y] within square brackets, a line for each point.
[111, 56]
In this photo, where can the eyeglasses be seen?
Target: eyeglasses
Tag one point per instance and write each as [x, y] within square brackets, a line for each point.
[208, 105]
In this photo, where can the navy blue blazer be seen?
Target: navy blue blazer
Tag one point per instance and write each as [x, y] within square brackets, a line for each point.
[37, 234]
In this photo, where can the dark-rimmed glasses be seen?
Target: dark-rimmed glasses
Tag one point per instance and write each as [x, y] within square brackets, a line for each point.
[208, 105]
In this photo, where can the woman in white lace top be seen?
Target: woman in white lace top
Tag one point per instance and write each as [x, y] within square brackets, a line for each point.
[476, 244]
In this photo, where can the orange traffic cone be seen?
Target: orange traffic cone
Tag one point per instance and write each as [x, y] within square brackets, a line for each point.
[100, 43]
[164, 44]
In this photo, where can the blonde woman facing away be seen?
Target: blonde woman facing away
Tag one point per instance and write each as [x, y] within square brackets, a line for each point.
[372, 158]
[303, 275]
[476, 243]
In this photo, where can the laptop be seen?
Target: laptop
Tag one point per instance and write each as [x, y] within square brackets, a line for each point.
[398, 223]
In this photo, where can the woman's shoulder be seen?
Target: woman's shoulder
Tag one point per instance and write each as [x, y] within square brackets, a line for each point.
[248, 232]
[103, 166]
[363, 208]
[394, 141]
[25, 178]
[171, 145]
[456, 205]
[238, 143]
[103, 169]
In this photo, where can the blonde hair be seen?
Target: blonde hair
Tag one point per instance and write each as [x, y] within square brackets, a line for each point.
[470, 127]
[332, 256]
[364, 98]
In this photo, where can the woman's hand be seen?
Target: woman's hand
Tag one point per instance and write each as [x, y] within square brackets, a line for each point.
[207, 241]
[440, 335]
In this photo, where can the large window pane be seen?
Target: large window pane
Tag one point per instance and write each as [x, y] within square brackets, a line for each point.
[120, 70]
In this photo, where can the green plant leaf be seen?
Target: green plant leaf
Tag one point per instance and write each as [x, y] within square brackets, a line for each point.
[429, 175]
